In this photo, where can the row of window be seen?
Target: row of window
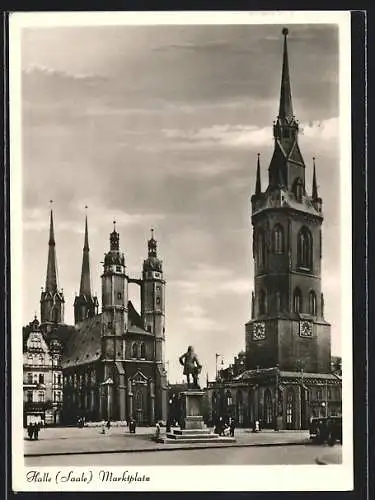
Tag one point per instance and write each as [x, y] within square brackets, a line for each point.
[304, 246]
[298, 302]
[38, 378]
[40, 397]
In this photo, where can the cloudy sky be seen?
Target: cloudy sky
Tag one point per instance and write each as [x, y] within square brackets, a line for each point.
[159, 126]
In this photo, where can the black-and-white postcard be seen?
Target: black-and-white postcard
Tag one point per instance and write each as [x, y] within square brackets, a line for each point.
[180, 246]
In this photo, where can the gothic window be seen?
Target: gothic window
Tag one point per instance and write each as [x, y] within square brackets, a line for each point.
[278, 239]
[134, 350]
[149, 328]
[290, 408]
[262, 302]
[297, 301]
[143, 350]
[268, 410]
[261, 248]
[312, 303]
[41, 378]
[278, 301]
[298, 189]
[59, 379]
[304, 249]
[319, 394]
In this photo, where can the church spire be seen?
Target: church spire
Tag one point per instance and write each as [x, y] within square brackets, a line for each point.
[85, 305]
[314, 183]
[51, 299]
[85, 288]
[258, 186]
[285, 108]
[51, 277]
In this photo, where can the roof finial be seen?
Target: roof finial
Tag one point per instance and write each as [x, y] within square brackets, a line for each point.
[152, 233]
[114, 225]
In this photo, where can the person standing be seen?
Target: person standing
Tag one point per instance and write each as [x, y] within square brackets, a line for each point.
[232, 426]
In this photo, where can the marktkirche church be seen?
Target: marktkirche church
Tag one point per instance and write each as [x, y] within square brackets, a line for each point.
[109, 364]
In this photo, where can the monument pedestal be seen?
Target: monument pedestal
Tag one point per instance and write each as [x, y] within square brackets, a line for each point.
[195, 430]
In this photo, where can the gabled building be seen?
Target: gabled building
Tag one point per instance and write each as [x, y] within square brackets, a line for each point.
[288, 375]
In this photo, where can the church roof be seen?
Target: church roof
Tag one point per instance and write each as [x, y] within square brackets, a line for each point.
[84, 345]
[249, 374]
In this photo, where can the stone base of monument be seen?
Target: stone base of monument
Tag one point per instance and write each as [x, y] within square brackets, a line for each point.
[195, 430]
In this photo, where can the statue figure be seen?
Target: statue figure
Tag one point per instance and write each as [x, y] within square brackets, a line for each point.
[191, 365]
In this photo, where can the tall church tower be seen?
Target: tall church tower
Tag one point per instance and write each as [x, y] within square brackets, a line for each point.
[153, 298]
[287, 328]
[114, 304]
[85, 305]
[52, 298]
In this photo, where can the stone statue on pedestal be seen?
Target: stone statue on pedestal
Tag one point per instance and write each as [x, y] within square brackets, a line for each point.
[191, 365]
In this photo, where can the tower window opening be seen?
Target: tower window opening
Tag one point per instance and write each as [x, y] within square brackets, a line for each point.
[278, 301]
[143, 350]
[118, 269]
[278, 239]
[149, 328]
[312, 303]
[262, 302]
[134, 350]
[261, 248]
[304, 249]
[297, 301]
[298, 189]
[119, 295]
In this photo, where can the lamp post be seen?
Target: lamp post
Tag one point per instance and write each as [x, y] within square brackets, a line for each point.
[277, 398]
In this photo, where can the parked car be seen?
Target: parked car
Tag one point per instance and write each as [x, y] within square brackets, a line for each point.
[326, 429]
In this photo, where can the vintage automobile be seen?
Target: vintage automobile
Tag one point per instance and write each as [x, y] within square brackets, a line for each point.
[326, 430]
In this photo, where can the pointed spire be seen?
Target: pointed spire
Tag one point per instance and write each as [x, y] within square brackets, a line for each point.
[314, 183]
[286, 108]
[258, 186]
[85, 288]
[51, 278]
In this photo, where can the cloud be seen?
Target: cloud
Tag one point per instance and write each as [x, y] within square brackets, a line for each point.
[37, 219]
[246, 136]
[325, 130]
[38, 69]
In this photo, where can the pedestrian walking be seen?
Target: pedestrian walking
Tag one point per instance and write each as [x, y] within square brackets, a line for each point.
[108, 424]
[36, 431]
[30, 430]
[232, 426]
[157, 431]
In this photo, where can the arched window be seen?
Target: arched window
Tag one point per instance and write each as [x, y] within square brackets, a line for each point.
[290, 408]
[134, 350]
[304, 249]
[298, 189]
[278, 239]
[268, 409]
[312, 303]
[143, 350]
[262, 302]
[297, 301]
[261, 248]
[278, 301]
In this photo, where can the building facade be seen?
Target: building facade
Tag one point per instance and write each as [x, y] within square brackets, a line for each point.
[288, 376]
[111, 363]
[42, 376]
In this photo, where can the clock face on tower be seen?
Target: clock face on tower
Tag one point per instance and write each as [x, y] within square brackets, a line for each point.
[305, 329]
[259, 330]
